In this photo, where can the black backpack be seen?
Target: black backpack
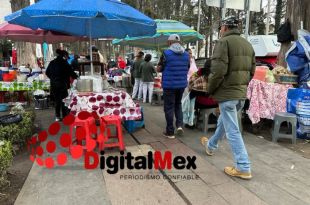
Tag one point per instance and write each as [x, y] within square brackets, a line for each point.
[284, 33]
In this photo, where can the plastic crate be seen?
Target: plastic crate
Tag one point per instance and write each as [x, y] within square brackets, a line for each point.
[132, 125]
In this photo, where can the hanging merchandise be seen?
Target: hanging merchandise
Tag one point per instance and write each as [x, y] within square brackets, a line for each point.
[14, 56]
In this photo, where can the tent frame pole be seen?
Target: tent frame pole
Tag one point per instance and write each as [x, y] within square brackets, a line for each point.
[90, 50]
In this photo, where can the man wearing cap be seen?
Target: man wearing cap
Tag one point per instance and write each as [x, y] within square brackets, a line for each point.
[174, 65]
[232, 64]
[137, 88]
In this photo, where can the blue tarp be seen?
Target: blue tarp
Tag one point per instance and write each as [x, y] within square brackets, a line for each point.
[298, 58]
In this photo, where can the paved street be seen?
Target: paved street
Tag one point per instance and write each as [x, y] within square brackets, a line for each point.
[280, 176]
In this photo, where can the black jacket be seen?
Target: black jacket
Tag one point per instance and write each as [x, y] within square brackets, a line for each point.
[59, 72]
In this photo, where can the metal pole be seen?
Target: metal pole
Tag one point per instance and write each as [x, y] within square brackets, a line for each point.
[268, 17]
[223, 6]
[198, 28]
[247, 24]
[91, 51]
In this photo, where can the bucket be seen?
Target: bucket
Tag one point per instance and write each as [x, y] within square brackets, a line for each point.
[21, 78]
[85, 85]
[8, 77]
[40, 103]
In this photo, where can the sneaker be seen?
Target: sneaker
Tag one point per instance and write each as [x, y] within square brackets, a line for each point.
[204, 141]
[180, 131]
[168, 136]
[232, 171]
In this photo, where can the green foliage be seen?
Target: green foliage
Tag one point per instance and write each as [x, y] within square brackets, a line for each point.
[18, 133]
[6, 157]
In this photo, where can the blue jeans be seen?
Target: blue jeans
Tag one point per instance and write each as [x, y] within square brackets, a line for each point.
[228, 124]
[173, 106]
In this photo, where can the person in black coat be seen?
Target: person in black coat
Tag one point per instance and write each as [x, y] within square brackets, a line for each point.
[59, 72]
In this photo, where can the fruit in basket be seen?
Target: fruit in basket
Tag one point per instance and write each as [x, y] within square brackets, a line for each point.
[280, 70]
[282, 75]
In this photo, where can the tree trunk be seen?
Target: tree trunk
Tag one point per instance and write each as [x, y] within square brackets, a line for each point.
[296, 12]
[279, 8]
[26, 52]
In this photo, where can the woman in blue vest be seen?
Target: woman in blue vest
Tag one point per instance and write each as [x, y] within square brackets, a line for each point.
[174, 65]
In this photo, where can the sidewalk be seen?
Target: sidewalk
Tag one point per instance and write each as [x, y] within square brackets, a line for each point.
[280, 176]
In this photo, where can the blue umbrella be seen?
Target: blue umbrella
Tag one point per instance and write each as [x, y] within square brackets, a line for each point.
[95, 18]
[92, 18]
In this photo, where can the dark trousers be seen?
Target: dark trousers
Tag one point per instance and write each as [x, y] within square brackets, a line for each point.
[60, 106]
[173, 106]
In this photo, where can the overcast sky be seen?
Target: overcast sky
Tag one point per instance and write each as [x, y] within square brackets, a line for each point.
[5, 9]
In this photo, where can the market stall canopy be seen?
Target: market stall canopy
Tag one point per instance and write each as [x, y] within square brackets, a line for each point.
[159, 40]
[19, 33]
[92, 18]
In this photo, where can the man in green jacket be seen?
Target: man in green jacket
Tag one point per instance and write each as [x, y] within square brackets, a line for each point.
[232, 65]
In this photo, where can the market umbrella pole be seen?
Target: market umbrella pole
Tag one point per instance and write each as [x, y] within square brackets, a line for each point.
[90, 50]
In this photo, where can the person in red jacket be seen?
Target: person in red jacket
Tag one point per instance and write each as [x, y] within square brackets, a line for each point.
[121, 63]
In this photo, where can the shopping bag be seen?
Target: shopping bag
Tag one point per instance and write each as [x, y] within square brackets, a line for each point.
[298, 102]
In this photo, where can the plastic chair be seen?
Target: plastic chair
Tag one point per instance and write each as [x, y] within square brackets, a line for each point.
[82, 123]
[284, 117]
[206, 116]
[106, 122]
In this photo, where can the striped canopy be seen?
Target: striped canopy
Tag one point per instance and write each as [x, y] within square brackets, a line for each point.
[159, 40]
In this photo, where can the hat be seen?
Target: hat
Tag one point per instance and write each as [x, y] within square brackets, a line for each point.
[174, 37]
[230, 21]
[140, 54]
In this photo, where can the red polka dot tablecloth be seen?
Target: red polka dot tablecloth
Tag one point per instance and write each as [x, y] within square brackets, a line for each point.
[106, 103]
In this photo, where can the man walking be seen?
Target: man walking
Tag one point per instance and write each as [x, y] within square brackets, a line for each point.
[232, 64]
[137, 88]
[174, 64]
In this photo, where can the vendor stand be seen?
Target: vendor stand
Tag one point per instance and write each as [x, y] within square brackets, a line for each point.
[266, 99]
[108, 102]
[21, 87]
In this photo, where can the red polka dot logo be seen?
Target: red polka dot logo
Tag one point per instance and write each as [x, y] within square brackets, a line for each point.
[56, 146]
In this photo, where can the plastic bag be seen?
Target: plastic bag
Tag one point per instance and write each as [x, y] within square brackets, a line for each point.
[298, 102]
[39, 92]
[17, 109]
[10, 119]
[269, 77]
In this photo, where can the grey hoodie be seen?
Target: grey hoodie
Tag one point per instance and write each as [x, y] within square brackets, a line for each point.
[177, 48]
